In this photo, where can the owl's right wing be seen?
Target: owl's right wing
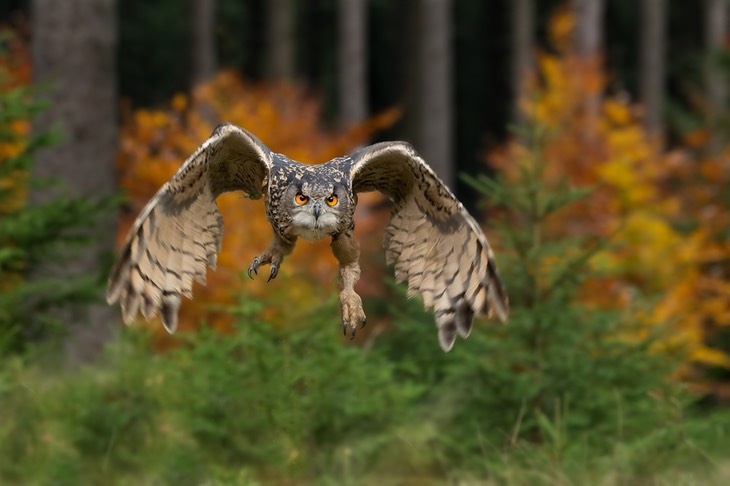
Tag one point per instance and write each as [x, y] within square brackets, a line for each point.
[179, 232]
[434, 243]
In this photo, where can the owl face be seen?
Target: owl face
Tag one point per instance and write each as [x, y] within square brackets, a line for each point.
[317, 210]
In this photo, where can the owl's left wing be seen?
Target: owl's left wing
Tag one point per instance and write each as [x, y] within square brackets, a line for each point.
[179, 232]
[434, 243]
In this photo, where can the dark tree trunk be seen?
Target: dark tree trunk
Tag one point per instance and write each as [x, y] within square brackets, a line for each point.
[352, 61]
[523, 43]
[409, 17]
[74, 52]
[715, 27]
[281, 40]
[588, 34]
[652, 61]
[203, 48]
[435, 140]
[588, 45]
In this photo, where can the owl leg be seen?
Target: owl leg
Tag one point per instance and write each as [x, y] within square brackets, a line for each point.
[347, 251]
[273, 256]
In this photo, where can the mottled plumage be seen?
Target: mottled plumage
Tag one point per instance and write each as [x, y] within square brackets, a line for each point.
[434, 244]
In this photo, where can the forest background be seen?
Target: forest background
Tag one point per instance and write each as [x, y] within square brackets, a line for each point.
[589, 137]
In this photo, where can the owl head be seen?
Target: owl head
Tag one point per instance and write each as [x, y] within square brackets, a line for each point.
[317, 209]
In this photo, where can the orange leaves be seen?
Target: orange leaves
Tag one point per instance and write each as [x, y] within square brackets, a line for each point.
[15, 66]
[154, 143]
[14, 73]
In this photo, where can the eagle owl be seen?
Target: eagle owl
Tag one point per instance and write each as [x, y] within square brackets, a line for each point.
[433, 242]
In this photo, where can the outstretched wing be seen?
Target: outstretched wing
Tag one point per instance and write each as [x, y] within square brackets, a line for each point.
[434, 243]
[179, 232]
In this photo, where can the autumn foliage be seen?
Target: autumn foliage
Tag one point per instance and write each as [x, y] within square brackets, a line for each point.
[154, 143]
[661, 212]
[14, 76]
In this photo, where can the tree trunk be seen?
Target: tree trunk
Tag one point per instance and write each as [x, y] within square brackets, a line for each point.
[588, 33]
[588, 45]
[435, 140]
[204, 56]
[715, 27]
[408, 12]
[523, 43]
[74, 52]
[281, 40]
[352, 61]
[651, 68]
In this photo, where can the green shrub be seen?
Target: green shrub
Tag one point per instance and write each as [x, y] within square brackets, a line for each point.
[285, 403]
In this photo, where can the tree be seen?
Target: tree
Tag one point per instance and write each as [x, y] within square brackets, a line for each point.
[352, 61]
[588, 45]
[588, 34]
[435, 138]
[281, 40]
[73, 51]
[203, 48]
[715, 33]
[651, 62]
[523, 42]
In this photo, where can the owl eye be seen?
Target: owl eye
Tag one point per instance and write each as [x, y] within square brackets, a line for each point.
[331, 201]
[301, 198]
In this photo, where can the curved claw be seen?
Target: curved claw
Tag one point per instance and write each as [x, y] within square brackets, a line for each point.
[273, 273]
[352, 336]
[364, 321]
[344, 328]
[254, 267]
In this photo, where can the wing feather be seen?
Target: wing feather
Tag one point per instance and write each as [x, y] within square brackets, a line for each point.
[435, 245]
[178, 234]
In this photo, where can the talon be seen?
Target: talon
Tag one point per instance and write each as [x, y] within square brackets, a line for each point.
[272, 274]
[253, 268]
[344, 328]
[352, 336]
[364, 321]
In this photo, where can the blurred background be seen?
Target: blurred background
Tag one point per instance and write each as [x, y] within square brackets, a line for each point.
[588, 136]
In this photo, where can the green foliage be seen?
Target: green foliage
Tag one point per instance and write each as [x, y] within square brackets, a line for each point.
[264, 405]
[35, 239]
[563, 374]
[282, 402]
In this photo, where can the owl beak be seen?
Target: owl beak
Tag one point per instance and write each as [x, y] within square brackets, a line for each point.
[317, 210]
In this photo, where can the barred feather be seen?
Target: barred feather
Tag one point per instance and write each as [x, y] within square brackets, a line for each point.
[436, 247]
[178, 234]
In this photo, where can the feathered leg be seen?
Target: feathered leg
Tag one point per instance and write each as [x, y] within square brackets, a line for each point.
[273, 256]
[347, 251]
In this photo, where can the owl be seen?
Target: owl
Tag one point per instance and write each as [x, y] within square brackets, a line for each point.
[435, 246]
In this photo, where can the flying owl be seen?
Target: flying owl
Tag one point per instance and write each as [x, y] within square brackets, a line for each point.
[433, 242]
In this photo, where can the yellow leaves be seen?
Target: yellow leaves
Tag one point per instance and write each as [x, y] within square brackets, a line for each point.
[179, 103]
[661, 211]
[711, 357]
[616, 112]
[561, 29]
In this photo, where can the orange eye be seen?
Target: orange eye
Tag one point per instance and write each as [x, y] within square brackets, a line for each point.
[301, 198]
[331, 201]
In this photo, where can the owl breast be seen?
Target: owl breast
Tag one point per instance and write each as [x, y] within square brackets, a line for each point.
[304, 225]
